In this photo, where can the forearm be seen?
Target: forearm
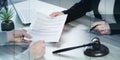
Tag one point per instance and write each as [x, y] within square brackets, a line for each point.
[81, 7]
[78, 10]
[27, 55]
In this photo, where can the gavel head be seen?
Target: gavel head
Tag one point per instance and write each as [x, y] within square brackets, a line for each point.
[96, 43]
[97, 49]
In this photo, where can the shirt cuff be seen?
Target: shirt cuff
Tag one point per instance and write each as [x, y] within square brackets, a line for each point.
[114, 28]
[65, 12]
[26, 55]
[3, 38]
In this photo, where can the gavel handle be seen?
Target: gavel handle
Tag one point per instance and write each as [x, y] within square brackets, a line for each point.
[67, 49]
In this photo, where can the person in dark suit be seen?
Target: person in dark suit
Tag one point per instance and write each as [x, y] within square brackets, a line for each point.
[3, 3]
[106, 10]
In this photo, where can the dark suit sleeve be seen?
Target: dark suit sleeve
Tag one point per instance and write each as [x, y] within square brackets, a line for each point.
[3, 3]
[115, 28]
[78, 10]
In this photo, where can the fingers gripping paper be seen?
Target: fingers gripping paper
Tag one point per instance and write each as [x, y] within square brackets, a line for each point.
[46, 28]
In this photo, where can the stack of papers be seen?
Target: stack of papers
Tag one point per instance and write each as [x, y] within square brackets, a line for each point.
[46, 28]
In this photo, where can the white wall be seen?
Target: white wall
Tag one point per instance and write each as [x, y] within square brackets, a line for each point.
[62, 3]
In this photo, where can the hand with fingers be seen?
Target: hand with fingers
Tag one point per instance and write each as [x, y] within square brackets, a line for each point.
[101, 27]
[55, 14]
[37, 49]
[18, 36]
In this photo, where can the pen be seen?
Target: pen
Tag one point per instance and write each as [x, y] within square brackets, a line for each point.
[93, 27]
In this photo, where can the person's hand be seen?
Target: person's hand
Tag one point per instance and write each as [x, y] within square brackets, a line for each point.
[102, 27]
[37, 49]
[18, 36]
[55, 14]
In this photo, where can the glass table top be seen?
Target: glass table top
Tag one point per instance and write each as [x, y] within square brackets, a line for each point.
[74, 37]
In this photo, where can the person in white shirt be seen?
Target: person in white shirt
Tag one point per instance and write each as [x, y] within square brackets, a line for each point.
[36, 50]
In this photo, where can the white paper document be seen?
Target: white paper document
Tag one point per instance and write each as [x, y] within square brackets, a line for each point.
[46, 28]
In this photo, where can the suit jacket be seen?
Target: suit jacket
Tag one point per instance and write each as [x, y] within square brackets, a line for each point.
[81, 8]
[3, 3]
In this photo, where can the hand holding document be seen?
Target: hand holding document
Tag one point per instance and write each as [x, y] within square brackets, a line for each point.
[47, 28]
